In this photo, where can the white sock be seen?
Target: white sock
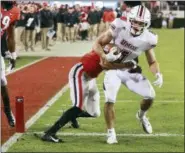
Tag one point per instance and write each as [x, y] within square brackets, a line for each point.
[111, 131]
[142, 113]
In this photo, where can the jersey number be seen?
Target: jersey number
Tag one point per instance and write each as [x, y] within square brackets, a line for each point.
[29, 22]
[124, 55]
[5, 21]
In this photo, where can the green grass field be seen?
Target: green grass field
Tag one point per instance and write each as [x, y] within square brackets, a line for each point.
[166, 115]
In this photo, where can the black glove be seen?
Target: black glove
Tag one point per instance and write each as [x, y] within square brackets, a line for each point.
[138, 69]
[11, 65]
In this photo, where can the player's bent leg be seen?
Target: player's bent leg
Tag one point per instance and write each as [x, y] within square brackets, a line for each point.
[50, 134]
[141, 115]
[92, 105]
[111, 86]
[143, 87]
[78, 87]
[5, 96]
[7, 108]
[109, 114]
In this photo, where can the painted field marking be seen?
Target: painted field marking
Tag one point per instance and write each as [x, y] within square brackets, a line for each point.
[119, 134]
[13, 139]
[16, 136]
[156, 101]
[22, 67]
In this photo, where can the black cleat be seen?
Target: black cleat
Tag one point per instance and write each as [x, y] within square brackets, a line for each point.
[51, 138]
[75, 124]
[11, 119]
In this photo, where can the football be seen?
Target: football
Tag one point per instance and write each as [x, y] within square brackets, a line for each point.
[111, 47]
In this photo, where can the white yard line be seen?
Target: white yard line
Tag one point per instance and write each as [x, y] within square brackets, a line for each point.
[17, 135]
[155, 101]
[36, 61]
[119, 134]
[33, 119]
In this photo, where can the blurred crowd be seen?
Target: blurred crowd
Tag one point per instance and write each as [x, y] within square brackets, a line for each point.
[43, 24]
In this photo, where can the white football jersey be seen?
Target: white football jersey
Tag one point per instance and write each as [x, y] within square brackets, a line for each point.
[130, 46]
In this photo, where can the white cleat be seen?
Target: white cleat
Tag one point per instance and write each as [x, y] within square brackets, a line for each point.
[111, 139]
[147, 127]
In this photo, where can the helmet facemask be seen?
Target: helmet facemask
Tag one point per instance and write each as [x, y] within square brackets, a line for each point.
[137, 27]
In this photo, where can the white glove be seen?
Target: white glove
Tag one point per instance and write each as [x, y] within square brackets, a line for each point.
[111, 57]
[8, 55]
[159, 81]
[12, 62]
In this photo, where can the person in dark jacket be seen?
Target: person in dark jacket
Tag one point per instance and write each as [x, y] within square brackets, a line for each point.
[100, 21]
[46, 22]
[31, 22]
[93, 19]
[60, 23]
[20, 28]
[55, 12]
[70, 21]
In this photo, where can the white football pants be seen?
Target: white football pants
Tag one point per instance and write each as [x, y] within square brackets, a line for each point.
[84, 91]
[135, 82]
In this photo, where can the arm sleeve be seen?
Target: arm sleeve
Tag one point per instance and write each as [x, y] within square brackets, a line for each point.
[153, 40]
[115, 27]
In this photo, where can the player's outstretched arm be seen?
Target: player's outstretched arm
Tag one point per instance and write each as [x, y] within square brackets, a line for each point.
[154, 67]
[101, 41]
[107, 65]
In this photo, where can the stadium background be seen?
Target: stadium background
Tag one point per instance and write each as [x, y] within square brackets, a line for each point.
[47, 67]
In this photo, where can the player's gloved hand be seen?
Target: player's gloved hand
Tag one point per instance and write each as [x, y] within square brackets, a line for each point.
[138, 69]
[7, 55]
[113, 55]
[11, 65]
[159, 81]
[12, 62]
[130, 64]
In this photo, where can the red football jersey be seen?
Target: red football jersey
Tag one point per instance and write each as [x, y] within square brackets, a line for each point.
[91, 64]
[9, 17]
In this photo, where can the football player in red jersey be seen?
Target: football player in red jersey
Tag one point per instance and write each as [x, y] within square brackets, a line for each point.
[9, 14]
[83, 89]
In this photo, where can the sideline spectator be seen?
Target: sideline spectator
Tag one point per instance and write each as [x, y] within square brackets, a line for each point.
[108, 17]
[70, 21]
[93, 21]
[84, 25]
[20, 28]
[170, 20]
[60, 24]
[46, 18]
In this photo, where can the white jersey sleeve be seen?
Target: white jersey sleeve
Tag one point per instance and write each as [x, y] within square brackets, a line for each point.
[116, 26]
[153, 39]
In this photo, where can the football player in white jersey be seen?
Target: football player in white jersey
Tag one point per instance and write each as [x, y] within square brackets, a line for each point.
[132, 38]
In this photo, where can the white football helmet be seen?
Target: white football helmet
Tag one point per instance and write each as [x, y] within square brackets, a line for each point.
[140, 19]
